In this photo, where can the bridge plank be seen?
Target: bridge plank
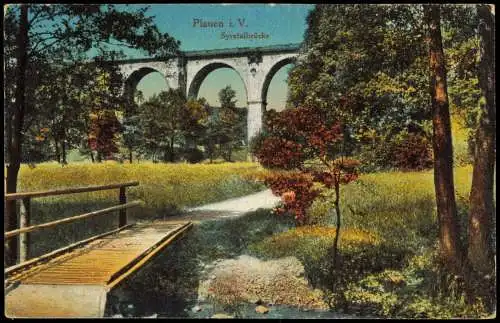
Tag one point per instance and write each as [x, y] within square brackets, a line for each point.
[97, 263]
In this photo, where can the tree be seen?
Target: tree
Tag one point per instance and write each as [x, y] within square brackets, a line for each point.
[162, 120]
[169, 119]
[14, 131]
[364, 65]
[131, 134]
[60, 34]
[450, 247]
[196, 113]
[103, 134]
[306, 149]
[461, 48]
[229, 123]
[481, 212]
[212, 133]
[67, 97]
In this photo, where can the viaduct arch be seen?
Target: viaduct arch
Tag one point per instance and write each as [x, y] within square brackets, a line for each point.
[255, 66]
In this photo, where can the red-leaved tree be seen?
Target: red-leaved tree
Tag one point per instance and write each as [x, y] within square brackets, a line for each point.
[104, 127]
[303, 148]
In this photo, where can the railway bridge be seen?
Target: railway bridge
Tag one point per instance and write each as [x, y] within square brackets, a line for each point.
[256, 67]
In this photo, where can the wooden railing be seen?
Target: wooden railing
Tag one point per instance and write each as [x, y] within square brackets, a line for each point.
[22, 251]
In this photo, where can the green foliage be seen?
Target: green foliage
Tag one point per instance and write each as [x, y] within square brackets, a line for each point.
[131, 132]
[228, 126]
[355, 61]
[162, 120]
[64, 84]
[419, 290]
[360, 252]
[61, 86]
[169, 126]
[367, 66]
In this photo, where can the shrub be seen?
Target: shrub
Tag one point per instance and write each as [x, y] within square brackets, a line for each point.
[405, 151]
[419, 290]
[193, 155]
[296, 190]
[279, 153]
[414, 152]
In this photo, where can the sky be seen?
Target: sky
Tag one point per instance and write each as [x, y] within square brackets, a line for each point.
[284, 23]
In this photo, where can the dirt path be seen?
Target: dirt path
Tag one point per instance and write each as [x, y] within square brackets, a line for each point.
[229, 208]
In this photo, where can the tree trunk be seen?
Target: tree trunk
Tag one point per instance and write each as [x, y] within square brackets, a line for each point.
[450, 248]
[92, 157]
[130, 155]
[172, 157]
[16, 135]
[63, 152]
[480, 253]
[336, 283]
[337, 232]
[58, 152]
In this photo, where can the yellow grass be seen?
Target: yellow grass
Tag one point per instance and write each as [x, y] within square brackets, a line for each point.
[160, 184]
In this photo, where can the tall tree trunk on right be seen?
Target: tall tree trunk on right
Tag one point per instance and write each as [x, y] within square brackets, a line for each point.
[480, 253]
[450, 247]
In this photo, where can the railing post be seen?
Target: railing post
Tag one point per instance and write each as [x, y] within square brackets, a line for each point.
[122, 220]
[24, 221]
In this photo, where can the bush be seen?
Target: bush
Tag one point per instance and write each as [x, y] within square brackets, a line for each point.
[419, 290]
[193, 155]
[406, 151]
[413, 152]
[374, 279]
[296, 190]
[375, 158]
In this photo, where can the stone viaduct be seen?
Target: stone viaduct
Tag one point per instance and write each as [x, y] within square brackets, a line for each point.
[256, 67]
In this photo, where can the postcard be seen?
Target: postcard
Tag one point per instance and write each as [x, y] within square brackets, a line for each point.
[267, 161]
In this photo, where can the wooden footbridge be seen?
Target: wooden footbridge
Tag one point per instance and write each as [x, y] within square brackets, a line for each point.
[74, 281]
